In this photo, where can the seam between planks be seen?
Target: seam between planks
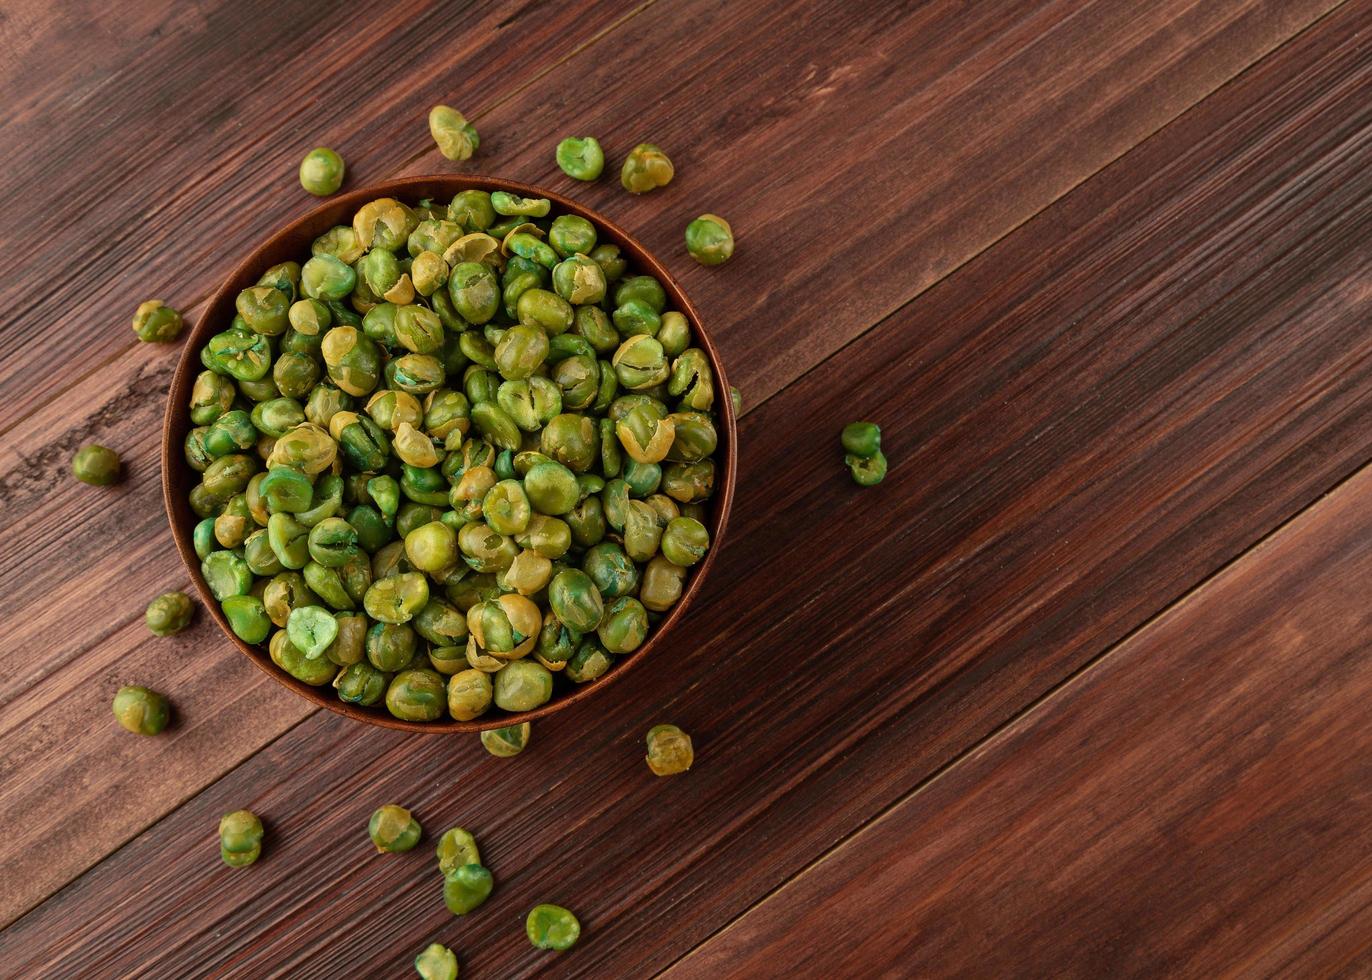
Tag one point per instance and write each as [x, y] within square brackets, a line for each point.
[1027, 715]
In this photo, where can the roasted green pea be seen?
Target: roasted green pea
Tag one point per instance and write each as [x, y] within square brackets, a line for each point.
[156, 322]
[576, 600]
[552, 927]
[456, 138]
[417, 695]
[285, 592]
[240, 838]
[862, 439]
[96, 465]
[169, 613]
[321, 172]
[581, 158]
[315, 671]
[326, 277]
[361, 683]
[264, 309]
[710, 240]
[393, 829]
[685, 541]
[390, 646]
[570, 234]
[587, 521]
[624, 626]
[506, 742]
[524, 346]
[867, 471]
[466, 887]
[506, 508]
[203, 538]
[663, 583]
[311, 629]
[692, 380]
[669, 750]
[247, 618]
[469, 695]
[571, 440]
[522, 685]
[333, 542]
[457, 847]
[437, 962]
[589, 663]
[645, 168]
[211, 396]
[475, 293]
[689, 482]
[398, 598]
[239, 353]
[611, 261]
[353, 360]
[431, 547]
[612, 571]
[141, 711]
[640, 362]
[226, 574]
[349, 646]
[496, 425]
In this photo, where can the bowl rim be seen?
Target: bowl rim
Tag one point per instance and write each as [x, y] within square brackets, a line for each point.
[289, 241]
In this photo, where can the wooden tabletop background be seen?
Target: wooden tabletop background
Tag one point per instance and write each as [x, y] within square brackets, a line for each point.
[1083, 688]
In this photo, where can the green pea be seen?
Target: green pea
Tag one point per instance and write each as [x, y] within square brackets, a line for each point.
[862, 439]
[226, 574]
[203, 538]
[156, 322]
[663, 583]
[141, 711]
[669, 750]
[431, 547]
[289, 539]
[589, 663]
[689, 483]
[361, 683]
[867, 471]
[247, 618]
[624, 626]
[398, 598]
[581, 158]
[169, 613]
[457, 847]
[472, 210]
[645, 168]
[710, 240]
[417, 695]
[523, 347]
[321, 172]
[640, 362]
[506, 742]
[240, 838]
[506, 508]
[506, 203]
[496, 425]
[612, 571]
[96, 465]
[326, 277]
[466, 887]
[570, 234]
[522, 685]
[611, 260]
[437, 962]
[311, 629]
[475, 293]
[390, 646]
[393, 829]
[456, 138]
[239, 353]
[685, 541]
[264, 309]
[552, 927]
[333, 542]
[528, 246]
[576, 600]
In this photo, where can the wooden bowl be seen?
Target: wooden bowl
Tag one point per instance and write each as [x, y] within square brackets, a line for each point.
[293, 242]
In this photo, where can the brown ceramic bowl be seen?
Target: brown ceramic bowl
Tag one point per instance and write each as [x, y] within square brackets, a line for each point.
[293, 242]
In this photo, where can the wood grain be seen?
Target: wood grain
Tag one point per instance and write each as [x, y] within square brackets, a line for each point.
[1112, 403]
[1194, 806]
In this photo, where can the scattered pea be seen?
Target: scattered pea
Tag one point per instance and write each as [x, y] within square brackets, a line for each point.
[466, 887]
[437, 962]
[169, 613]
[552, 927]
[96, 465]
[645, 168]
[456, 138]
[393, 829]
[240, 838]
[141, 711]
[710, 240]
[156, 322]
[508, 741]
[321, 172]
[581, 158]
[669, 750]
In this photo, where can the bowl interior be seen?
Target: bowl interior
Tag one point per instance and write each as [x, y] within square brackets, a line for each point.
[293, 241]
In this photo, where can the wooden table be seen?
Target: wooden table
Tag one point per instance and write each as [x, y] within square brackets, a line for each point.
[1084, 687]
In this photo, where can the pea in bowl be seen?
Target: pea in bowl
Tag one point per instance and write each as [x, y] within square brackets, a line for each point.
[448, 454]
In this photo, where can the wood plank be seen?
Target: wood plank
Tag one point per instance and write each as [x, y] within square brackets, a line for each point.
[1095, 415]
[963, 96]
[1193, 802]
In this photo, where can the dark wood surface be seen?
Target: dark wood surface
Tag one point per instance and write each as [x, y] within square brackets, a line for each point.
[1101, 270]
